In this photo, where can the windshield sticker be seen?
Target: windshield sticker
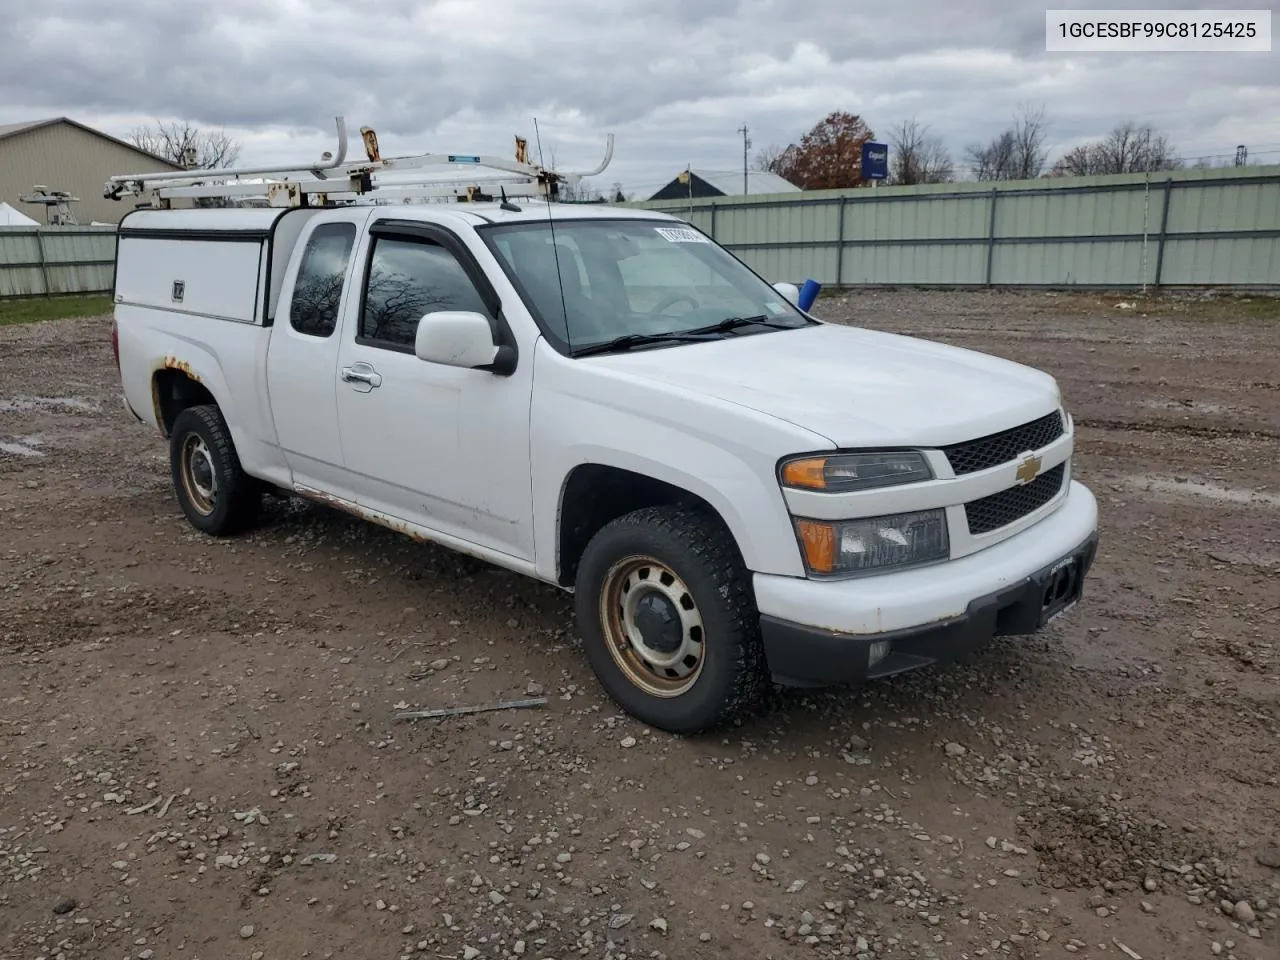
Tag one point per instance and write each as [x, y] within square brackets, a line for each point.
[681, 235]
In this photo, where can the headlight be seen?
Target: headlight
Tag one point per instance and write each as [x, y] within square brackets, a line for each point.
[846, 472]
[844, 547]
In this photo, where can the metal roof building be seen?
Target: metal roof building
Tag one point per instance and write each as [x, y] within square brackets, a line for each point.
[62, 154]
[722, 183]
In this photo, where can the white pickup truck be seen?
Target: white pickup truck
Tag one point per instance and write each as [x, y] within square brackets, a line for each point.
[608, 401]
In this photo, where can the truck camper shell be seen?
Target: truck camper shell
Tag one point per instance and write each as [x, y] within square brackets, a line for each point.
[226, 264]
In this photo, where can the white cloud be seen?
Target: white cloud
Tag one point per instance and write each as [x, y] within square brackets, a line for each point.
[673, 79]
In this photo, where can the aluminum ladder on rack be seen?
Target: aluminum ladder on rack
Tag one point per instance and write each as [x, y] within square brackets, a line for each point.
[335, 180]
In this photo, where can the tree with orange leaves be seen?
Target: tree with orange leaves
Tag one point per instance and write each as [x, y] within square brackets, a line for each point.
[829, 156]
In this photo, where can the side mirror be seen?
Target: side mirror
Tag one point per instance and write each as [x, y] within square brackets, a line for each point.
[789, 291]
[456, 338]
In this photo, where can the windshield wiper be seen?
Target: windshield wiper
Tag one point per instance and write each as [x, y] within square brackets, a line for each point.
[697, 334]
[644, 339]
[732, 323]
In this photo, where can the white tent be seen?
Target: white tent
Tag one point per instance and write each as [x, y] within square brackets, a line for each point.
[10, 217]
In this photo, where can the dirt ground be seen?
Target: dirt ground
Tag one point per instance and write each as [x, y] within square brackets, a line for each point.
[198, 757]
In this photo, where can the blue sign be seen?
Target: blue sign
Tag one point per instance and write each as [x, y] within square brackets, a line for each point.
[875, 161]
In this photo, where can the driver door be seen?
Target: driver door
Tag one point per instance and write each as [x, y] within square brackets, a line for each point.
[443, 447]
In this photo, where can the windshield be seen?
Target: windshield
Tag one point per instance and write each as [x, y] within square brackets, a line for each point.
[633, 278]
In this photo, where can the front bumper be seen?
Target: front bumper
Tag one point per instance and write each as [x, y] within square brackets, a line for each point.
[931, 614]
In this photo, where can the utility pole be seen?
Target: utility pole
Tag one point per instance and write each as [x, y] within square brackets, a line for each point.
[746, 144]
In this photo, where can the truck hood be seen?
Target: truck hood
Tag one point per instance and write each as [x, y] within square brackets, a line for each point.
[855, 387]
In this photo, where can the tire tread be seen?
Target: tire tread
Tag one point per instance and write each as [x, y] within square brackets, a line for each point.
[242, 496]
[709, 543]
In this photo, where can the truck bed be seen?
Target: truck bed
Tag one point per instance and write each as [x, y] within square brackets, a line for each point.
[195, 292]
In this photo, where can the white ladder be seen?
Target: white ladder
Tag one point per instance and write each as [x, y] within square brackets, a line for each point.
[336, 180]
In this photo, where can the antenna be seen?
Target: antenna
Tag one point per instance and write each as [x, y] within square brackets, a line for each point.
[551, 222]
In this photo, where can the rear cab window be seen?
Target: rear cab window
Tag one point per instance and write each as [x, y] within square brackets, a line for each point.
[317, 293]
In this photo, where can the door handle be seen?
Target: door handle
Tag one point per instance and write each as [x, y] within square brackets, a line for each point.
[362, 373]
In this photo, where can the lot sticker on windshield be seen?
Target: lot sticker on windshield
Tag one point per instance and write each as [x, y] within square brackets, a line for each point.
[681, 235]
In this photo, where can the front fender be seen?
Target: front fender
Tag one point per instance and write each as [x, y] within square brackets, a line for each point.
[722, 452]
[755, 512]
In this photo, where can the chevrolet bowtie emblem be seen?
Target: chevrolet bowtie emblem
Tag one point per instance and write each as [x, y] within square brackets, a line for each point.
[1028, 469]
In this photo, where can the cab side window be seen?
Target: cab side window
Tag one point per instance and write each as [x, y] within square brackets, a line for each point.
[317, 293]
[407, 279]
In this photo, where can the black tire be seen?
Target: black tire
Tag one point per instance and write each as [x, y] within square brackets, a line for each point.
[200, 451]
[698, 552]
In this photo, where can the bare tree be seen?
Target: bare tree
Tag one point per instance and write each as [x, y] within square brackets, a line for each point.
[579, 192]
[993, 160]
[1207, 163]
[1128, 148]
[1017, 153]
[769, 160]
[917, 157]
[184, 144]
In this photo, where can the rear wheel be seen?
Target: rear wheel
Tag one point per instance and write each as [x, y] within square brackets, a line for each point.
[668, 620]
[215, 493]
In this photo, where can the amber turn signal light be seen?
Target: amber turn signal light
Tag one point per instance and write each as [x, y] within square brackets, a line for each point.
[819, 541]
[810, 473]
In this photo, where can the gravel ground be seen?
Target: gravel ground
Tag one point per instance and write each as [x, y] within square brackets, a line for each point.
[198, 757]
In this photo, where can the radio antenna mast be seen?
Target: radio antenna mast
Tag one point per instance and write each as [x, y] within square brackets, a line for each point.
[551, 222]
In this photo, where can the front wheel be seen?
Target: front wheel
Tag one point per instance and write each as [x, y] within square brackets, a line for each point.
[215, 493]
[668, 620]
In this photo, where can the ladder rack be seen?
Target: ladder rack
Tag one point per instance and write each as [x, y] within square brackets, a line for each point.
[334, 179]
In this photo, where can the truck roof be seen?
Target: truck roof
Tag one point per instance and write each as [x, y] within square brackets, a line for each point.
[249, 220]
[531, 210]
[250, 243]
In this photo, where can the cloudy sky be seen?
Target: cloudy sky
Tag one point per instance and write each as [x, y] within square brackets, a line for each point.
[673, 79]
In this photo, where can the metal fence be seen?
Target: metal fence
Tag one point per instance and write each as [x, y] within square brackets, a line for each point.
[41, 261]
[1181, 228]
[1171, 229]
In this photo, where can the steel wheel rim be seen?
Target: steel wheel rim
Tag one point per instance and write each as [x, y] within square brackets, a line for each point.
[658, 672]
[199, 476]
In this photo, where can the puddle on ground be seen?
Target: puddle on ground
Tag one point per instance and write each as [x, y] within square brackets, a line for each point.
[1203, 488]
[28, 404]
[23, 447]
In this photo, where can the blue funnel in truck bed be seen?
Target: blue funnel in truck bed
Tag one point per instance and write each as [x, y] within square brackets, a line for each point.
[809, 293]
